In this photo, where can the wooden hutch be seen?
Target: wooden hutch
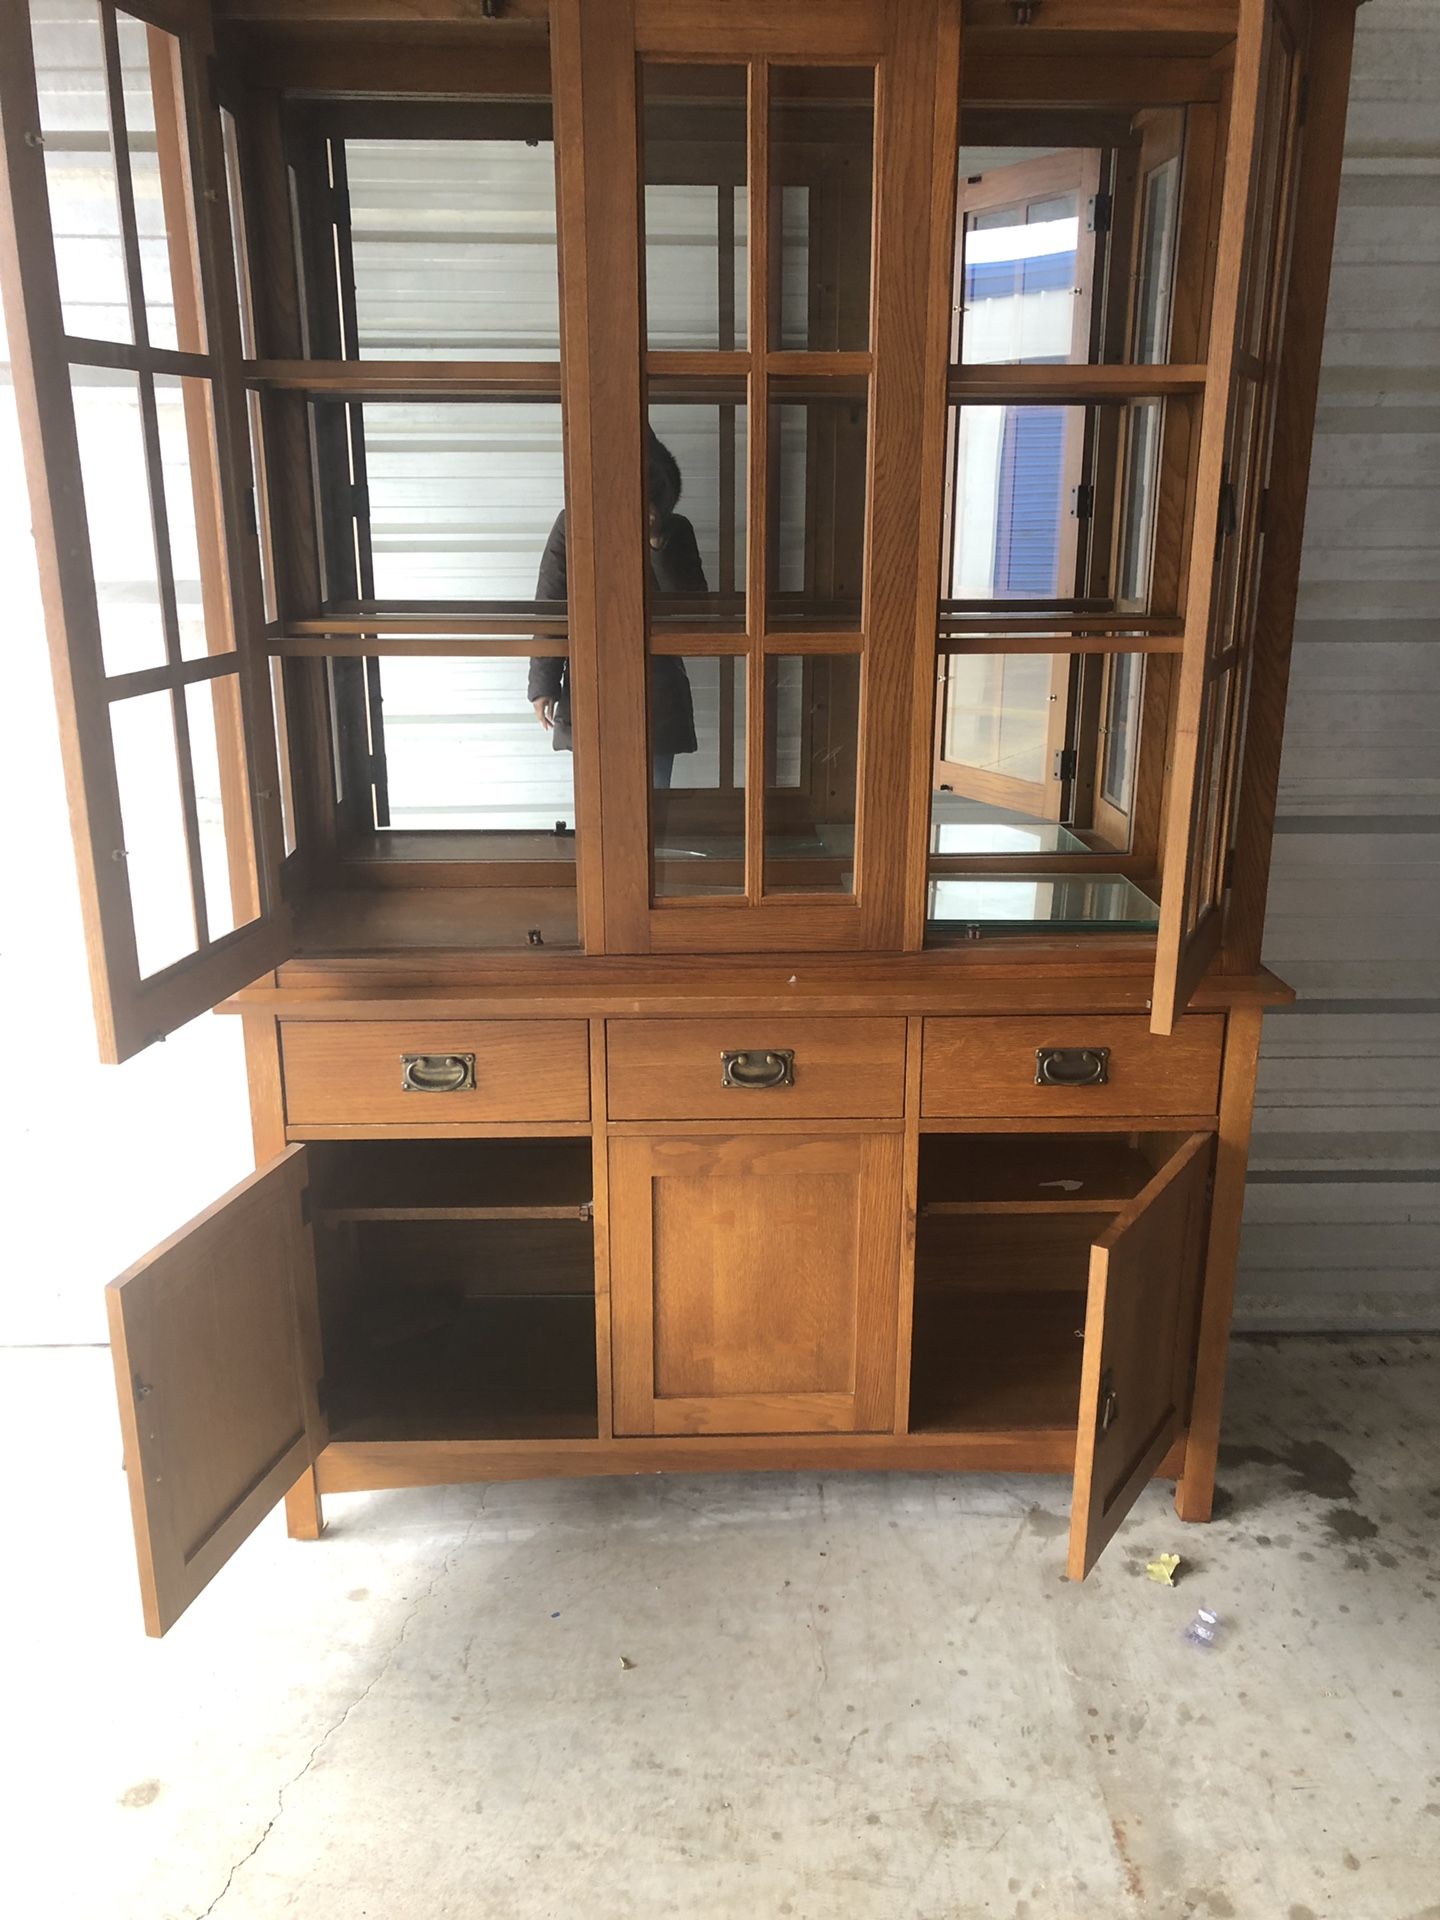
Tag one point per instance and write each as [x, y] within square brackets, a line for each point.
[851, 1065]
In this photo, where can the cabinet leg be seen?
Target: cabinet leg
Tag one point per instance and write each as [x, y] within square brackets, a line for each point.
[304, 1516]
[1195, 1489]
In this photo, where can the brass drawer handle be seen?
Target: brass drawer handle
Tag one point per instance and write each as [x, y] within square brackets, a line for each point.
[437, 1073]
[756, 1068]
[1072, 1066]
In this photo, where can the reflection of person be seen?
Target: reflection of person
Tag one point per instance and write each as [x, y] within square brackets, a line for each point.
[675, 568]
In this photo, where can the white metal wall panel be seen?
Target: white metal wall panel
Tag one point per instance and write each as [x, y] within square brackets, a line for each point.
[1342, 1221]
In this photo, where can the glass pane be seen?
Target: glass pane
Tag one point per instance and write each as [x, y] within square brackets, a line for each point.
[812, 741]
[280, 712]
[696, 207]
[1022, 300]
[1157, 264]
[697, 775]
[239, 238]
[461, 743]
[822, 163]
[695, 493]
[1060, 260]
[227, 847]
[1106, 902]
[454, 241]
[80, 168]
[1033, 497]
[1122, 730]
[149, 67]
[157, 864]
[1137, 518]
[1000, 714]
[110, 432]
[1023, 741]
[465, 501]
[817, 510]
[202, 597]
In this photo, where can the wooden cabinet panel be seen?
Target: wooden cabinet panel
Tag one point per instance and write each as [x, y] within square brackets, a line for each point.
[1138, 1315]
[673, 1069]
[754, 1283]
[353, 1073]
[988, 1067]
[216, 1349]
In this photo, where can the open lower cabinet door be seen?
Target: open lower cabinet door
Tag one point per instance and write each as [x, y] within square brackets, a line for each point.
[215, 1337]
[1143, 1275]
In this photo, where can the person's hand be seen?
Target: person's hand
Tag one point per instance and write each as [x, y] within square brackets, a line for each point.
[545, 712]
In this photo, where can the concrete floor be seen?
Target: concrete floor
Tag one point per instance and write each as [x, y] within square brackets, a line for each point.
[848, 1699]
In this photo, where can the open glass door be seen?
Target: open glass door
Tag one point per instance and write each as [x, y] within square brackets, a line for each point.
[120, 309]
[1233, 471]
[1143, 1276]
[216, 1346]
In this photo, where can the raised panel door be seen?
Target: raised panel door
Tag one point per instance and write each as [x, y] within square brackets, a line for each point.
[754, 1282]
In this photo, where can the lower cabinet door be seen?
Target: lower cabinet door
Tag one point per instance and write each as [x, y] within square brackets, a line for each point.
[754, 1282]
[216, 1347]
[1139, 1321]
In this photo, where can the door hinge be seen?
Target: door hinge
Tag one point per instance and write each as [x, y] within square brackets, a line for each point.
[1066, 764]
[1101, 208]
[1227, 872]
[1082, 501]
[1227, 518]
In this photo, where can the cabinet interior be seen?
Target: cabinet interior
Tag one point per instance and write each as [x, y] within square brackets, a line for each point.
[1005, 1224]
[456, 1288]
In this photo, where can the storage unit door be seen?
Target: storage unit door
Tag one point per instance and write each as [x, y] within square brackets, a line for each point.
[753, 1282]
[216, 1349]
[1138, 1321]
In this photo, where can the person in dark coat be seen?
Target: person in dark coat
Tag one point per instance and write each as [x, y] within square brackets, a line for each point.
[675, 567]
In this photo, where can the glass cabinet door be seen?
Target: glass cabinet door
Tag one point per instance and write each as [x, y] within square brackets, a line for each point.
[755, 593]
[120, 310]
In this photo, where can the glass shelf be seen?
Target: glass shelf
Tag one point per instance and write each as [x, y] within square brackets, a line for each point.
[958, 825]
[1053, 903]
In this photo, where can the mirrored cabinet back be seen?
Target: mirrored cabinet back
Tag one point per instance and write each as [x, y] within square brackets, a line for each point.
[686, 610]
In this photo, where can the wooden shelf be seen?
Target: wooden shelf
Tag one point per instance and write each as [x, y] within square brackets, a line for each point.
[1036, 1173]
[996, 1360]
[454, 1180]
[1007, 384]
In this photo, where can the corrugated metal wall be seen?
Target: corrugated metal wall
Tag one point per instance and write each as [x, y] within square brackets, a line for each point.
[1342, 1224]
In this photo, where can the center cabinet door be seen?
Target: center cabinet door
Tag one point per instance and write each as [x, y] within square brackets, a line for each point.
[1139, 1316]
[754, 1282]
[215, 1338]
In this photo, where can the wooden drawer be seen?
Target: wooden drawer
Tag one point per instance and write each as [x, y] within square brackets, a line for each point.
[352, 1072]
[982, 1066]
[841, 1069]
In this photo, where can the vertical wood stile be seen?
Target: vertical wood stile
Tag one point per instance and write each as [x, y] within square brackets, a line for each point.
[757, 510]
[596, 130]
[1179, 961]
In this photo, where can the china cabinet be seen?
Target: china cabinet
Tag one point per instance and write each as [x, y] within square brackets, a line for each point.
[685, 611]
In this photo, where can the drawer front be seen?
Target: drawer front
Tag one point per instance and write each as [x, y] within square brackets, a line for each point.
[434, 1073]
[755, 1067]
[1091, 1066]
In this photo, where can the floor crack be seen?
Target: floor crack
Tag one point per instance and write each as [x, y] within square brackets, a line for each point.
[330, 1732]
